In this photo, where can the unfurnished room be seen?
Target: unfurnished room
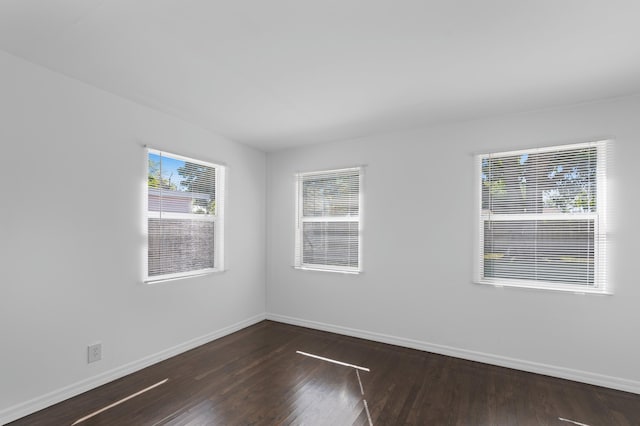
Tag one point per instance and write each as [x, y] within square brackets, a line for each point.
[303, 212]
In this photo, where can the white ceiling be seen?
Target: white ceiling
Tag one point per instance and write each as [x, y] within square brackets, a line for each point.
[279, 73]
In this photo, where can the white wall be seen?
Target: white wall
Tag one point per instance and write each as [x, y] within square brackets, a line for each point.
[418, 237]
[72, 171]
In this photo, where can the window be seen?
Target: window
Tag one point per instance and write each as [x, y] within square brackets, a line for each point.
[542, 218]
[328, 220]
[184, 216]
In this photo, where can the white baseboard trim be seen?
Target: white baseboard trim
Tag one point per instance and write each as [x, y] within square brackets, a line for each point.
[24, 409]
[518, 364]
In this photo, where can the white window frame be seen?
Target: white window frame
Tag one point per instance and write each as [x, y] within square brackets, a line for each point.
[300, 219]
[217, 219]
[599, 218]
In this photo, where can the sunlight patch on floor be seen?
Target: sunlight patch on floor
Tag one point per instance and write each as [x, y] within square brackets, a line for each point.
[95, 413]
[357, 369]
[572, 421]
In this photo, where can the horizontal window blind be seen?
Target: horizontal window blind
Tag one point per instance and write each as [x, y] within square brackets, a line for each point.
[184, 220]
[328, 220]
[542, 217]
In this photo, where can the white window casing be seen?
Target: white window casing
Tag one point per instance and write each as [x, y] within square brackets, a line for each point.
[328, 220]
[184, 217]
[541, 218]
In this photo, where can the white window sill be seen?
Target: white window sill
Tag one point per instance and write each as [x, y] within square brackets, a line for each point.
[337, 271]
[159, 280]
[546, 287]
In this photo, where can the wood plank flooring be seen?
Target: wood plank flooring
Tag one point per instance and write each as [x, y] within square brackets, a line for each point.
[255, 377]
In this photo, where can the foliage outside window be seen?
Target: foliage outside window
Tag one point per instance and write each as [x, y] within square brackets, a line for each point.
[542, 218]
[184, 216]
[328, 220]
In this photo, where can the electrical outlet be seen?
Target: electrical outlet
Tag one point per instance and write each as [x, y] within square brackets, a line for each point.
[94, 352]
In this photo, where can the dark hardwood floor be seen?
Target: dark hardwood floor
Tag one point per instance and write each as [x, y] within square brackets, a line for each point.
[255, 377]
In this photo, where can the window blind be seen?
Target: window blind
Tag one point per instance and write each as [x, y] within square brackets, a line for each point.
[328, 220]
[542, 217]
[184, 216]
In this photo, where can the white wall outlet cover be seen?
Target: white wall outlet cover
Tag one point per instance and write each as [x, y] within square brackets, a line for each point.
[94, 352]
